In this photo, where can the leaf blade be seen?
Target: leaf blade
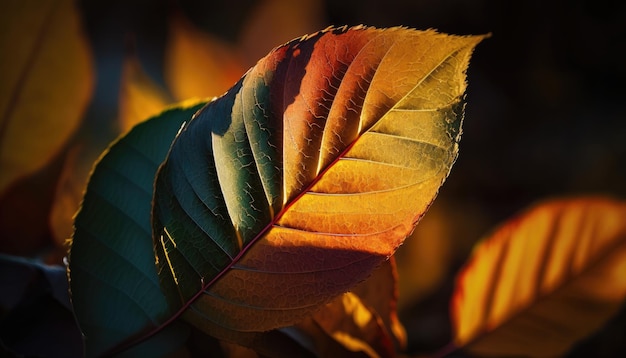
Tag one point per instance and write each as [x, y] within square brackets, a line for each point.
[115, 288]
[292, 228]
[569, 283]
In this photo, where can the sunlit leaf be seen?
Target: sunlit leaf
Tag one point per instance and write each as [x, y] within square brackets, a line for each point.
[198, 64]
[309, 173]
[140, 97]
[46, 71]
[543, 280]
[113, 280]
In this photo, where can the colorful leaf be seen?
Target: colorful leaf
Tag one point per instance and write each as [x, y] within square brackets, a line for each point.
[543, 280]
[292, 187]
[46, 71]
[113, 281]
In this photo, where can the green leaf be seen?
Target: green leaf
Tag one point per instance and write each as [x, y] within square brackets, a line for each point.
[113, 280]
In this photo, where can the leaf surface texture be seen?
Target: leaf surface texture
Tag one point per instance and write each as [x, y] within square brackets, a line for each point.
[307, 174]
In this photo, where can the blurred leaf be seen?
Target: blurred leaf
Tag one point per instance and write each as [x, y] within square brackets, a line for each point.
[543, 280]
[140, 97]
[309, 173]
[47, 79]
[113, 280]
[198, 64]
[444, 236]
[424, 259]
[35, 314]
[275, 22]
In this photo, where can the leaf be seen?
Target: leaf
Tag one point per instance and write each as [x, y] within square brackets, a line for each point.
[140, 99]
[198, 64]
[35, 314]
[363, 321]
[140, 96]
[543, 280]
[292, 187]
[47, 79]
[113, 281]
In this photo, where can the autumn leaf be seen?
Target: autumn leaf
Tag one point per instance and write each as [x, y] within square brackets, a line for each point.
[292, 187]
[362, 321]
[544, 280]
[45, 61]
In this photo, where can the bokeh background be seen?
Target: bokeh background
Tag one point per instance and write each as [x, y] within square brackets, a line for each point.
[546, 117]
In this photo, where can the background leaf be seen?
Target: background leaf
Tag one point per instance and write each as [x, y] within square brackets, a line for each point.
[543, 280]
[113, 281]
[47, 78]
[198, 64]
[363, 321]
[306, 175]
[140, 97]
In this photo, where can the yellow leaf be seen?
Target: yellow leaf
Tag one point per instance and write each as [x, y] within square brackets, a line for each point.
[426, 258]
[47, 78]
[198, 64]
[543, 280]
[140, 96]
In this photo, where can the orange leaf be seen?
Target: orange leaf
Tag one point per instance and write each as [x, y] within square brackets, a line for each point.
[46, 71]
[363, 320]
[140, 97]
[198, 64]
[543, 280]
